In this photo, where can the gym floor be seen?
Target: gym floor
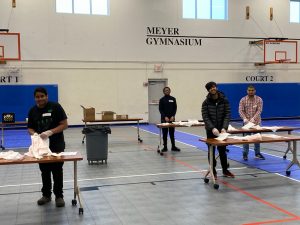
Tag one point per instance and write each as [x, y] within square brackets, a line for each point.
[137, 186]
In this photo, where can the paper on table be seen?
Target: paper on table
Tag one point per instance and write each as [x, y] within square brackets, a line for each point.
[271, 136]
[253, 137]
[222, 136]
[63, 154]
[231, 128]
[248, 125]
[273, 128]
[68, 153]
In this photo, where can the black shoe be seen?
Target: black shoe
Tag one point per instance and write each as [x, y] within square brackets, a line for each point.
[165, 149]
[259, 156]
[245, 158]
[43, 200]
[175, 149]
[59, 202]
[227, 173]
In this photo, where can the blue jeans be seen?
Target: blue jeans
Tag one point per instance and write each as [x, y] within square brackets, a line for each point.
[246, 149]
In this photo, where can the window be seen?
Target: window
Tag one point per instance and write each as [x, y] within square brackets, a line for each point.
[295, 11]
[92, 7]
[205, 9]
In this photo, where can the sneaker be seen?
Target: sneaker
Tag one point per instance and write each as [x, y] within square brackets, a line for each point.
[227, 173]
[60, 202]
[259, 156]
[165, 149]
[175, 149]
[245, 158]
[43, 200]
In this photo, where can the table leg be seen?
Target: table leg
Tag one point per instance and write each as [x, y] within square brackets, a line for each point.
[289, 148]
[294, 159]
[76, 190]
[85, 125]
[211, 168]
[159, 144]
[138, 131]
[2, 138]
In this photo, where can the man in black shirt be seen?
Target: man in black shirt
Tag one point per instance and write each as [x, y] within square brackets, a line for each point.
[167, 109]
[48, 119]
[216, 116]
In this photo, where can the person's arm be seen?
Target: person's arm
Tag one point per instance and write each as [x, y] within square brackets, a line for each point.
[227, 114]
[174, 112]
[62, 126]
[31, 131]
[205, 116]
[242, 110]
[161, 108]
[258, 109]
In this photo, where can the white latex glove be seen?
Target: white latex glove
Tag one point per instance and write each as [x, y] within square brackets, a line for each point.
[46, 134]
[215, 132]
[223, 131]
[245, 121]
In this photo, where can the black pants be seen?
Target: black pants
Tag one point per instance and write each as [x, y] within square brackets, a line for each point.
[222, 153]
[171, 131]
[57, 171]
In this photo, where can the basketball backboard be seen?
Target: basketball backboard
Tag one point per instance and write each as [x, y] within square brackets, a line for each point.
[280, 51]
[10, 46]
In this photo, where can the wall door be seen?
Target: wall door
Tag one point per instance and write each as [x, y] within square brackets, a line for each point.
[155, 92]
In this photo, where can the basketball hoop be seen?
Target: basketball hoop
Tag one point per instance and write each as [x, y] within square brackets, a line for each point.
[284, 60]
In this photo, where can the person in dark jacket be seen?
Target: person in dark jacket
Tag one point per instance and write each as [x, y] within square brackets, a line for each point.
[167, 109]
[216, 116]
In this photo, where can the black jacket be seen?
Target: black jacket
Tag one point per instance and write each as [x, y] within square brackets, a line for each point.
[216, 112]
[167, 107]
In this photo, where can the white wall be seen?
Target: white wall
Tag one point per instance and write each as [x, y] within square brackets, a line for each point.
[103, 61]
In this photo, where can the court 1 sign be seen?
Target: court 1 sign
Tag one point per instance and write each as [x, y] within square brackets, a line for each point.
[11, 75]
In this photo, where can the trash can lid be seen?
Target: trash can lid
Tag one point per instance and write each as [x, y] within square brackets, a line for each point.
[96, 128]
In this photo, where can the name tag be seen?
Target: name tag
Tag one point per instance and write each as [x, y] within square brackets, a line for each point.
[46, 114]
[171, 100]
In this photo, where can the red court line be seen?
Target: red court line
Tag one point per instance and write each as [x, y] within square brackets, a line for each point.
[274, 221]
[294, 217]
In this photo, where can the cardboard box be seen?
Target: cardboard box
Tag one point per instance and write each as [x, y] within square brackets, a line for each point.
[121, 117]
[108, 115]
[88, 113]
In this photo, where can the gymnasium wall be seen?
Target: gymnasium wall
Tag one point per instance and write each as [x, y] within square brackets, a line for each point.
[104, 61]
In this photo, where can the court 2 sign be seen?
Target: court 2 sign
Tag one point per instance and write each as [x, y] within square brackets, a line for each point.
[260, 76]
[170, 36]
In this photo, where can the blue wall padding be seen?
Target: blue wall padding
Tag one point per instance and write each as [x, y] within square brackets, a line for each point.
[19, 98]
[280, 99]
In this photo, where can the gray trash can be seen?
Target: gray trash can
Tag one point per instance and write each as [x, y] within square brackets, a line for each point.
[96, 143]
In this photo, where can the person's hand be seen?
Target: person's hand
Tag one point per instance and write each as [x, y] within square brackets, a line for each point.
[245, 121]
[46, 134]
[215, 132]
[167, 119]
[223, 131]
[172, 119]
[252, 120]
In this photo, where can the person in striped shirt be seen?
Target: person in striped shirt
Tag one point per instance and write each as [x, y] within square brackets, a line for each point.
[250, 109]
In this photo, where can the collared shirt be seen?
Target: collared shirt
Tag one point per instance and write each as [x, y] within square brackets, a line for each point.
[251, 108]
